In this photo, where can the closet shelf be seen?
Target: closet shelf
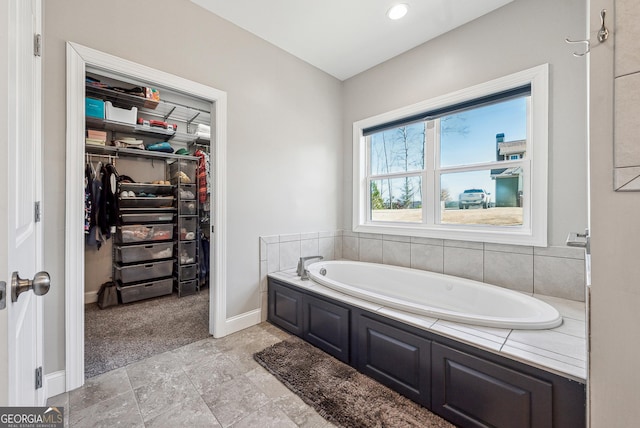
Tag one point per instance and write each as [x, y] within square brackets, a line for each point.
[111, 125]
[120, 99]
[119, 151]
[166, 110]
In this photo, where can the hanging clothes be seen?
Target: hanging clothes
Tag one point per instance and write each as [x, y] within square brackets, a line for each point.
[108, 208]
[204, 256]
[93, 188]
[88, 197]
[204, 187]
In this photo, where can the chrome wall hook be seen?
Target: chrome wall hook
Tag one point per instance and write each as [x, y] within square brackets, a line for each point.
[586, 42]
[603, 33]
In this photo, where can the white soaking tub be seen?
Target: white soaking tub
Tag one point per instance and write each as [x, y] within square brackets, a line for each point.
[436, 295]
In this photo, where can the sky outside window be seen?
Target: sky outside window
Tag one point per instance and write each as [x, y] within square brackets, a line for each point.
[469, 137]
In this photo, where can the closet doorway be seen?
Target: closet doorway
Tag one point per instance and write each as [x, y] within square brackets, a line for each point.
[81, 62]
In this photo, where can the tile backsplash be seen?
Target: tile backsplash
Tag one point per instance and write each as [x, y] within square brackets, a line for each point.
[552, 271]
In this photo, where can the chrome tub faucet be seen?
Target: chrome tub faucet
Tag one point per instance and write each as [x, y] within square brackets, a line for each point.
[302, 271]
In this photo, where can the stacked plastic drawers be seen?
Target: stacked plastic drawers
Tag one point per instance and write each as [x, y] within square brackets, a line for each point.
[183, 174]
[144, 241]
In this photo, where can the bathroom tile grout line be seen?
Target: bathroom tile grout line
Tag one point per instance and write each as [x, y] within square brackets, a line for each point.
[135, 398]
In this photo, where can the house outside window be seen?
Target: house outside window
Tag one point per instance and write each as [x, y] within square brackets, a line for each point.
[443, 169]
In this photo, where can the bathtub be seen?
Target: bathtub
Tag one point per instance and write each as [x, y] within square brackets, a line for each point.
[436, 295]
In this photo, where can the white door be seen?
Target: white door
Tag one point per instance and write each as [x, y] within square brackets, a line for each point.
[23, 190]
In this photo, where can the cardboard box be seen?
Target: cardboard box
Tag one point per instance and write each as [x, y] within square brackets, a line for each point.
[97, 135]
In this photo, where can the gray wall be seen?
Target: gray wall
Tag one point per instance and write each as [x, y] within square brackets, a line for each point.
[614, 291]
[518, 36]
[284, 122]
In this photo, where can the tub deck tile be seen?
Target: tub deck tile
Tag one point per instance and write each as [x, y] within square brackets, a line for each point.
[572, 327]
[472, 337]
[567, 308]
[415, 320]
[490, 333]
[549, 340]
[549, 361]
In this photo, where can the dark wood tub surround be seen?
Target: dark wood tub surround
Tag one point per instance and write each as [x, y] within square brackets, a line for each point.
[469, 386]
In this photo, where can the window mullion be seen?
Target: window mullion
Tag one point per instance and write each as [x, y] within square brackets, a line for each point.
[430, 199]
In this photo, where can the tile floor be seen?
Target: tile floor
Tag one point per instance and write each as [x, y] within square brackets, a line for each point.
[210, 383]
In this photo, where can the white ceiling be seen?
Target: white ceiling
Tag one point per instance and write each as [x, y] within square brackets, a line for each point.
[346, 37]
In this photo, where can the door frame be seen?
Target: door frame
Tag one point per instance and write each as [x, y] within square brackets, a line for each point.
[78, 59]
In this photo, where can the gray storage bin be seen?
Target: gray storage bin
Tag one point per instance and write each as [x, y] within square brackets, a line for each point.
[140, 253]
[157, 202]
[188, 207]
[145, 232]
[188, 170]
[149, 189]
[187, 252]
[187, 228]
[146, 290]
[187, 271]
[187, 192]
[187, 287]
[159, 217]
[144, 271]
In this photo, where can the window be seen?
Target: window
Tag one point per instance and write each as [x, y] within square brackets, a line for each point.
[470, 165]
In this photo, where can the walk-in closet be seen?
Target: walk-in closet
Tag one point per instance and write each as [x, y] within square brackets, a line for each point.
[147, 211]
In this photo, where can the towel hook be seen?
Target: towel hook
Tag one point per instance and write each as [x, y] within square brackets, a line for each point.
[603, 33]
[580, 41]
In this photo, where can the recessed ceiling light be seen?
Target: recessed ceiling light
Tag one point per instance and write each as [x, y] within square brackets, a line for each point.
[397, 11]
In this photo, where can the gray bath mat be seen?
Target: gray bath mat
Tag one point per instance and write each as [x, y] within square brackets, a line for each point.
[340, 393]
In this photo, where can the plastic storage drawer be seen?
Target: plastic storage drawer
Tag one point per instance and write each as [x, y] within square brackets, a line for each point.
[183, 172]
[144, 271]
[141, 253]
[132, 293]
[187, 252]
[187, 271]
[188, 207]
[144, 232]
[187, 287]
[187, 228]
[136, 218]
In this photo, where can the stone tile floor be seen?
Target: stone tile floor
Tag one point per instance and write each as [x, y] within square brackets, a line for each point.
[210, 383]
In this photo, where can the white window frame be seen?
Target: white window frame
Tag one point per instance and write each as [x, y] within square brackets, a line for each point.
[535, 169]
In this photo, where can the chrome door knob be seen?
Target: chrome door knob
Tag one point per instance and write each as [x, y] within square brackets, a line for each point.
[40, 285]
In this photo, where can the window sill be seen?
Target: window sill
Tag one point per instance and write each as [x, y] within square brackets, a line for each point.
[474, 233]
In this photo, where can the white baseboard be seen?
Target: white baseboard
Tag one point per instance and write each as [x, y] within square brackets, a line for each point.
[54, 383]
[242, 321]
[90, 297]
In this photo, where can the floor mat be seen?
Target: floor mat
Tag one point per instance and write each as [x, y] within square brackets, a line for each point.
[340, 393]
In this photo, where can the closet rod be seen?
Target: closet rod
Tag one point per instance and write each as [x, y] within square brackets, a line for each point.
[111, 158]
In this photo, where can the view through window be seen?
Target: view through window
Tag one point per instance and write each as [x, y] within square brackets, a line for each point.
[469, 166]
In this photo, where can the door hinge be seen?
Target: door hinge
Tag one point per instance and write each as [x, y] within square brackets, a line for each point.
[37, 44]
[213, 229]
[36, 211]
[39, 377]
